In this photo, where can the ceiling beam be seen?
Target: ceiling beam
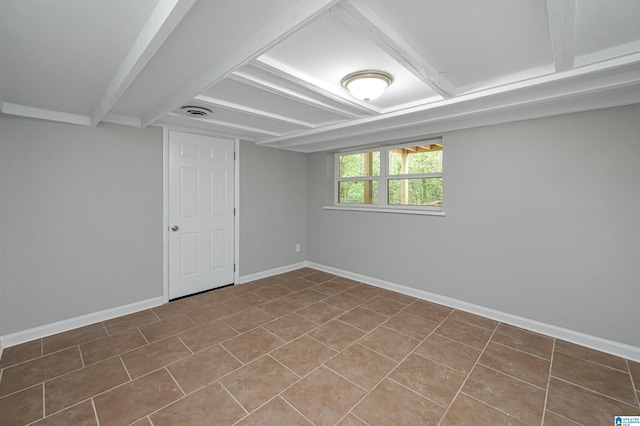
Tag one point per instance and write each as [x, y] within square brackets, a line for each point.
[356, 13]
[562, 28]
[228, 125]
[296, 17]
[43, 114]
[163, 20]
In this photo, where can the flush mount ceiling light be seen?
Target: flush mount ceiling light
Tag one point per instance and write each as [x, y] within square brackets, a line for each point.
[367, 85]
[195, 111]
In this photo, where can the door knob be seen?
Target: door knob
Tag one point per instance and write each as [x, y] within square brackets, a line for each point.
[175, 228]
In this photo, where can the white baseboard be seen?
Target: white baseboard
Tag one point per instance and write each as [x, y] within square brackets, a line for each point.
[265, 274]
[69, 324]
[593, 342]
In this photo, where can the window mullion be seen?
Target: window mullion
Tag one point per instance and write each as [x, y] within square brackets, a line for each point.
[383, 196]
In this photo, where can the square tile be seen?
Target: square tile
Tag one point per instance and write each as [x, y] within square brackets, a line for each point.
[207, 335]
[429, 311]
[115, 344]
[320, 312]
[65, 391]
[361, 365]
[389, 343]
[517, 364]
[464, 333]
[453, 354]
[512, 396]
[319, 277]
[290, 326]
[333, 396]
[154, 355]
[21, 407]
[275, 412]
[298, 284]
[331, 288]
[258, 382]
[211, 405]
[136, 399]
[523, 340]
[428, 378]
[364, 291]
[252, 344]
[307, 297]
[392, 404]
[273, 292]
[362, 318]
[303, 355]
[336, 334]
[198, 370]
[345, 301]
[383, 306]
[411, 325]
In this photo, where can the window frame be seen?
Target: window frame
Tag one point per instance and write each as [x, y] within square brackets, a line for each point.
[383, 182]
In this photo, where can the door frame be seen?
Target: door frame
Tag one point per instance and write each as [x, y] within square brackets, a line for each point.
[165, 205]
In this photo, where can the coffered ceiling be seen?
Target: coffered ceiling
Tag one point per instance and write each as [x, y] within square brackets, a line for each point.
[270, 71]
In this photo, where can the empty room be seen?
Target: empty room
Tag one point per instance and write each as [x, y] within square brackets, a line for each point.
[319, 212]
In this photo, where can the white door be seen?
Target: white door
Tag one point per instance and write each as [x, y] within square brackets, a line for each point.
[201, 213]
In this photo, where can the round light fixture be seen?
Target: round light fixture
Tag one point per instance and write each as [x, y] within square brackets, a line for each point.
[367, 85]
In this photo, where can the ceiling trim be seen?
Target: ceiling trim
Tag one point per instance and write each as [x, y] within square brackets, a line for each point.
[163, 20]
[562, 28]
[292, 20]
[357, 14]
[229, 125]
[44, 114]
[253, 111]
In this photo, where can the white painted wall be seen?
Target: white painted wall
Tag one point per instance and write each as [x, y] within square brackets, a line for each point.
[81, 220]
[273, 208]
[542, 222]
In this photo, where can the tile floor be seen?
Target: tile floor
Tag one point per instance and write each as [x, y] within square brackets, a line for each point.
[307, 347]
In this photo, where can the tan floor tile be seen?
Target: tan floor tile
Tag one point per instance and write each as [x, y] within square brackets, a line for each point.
[73, 337]
[591, 355]
[331, 288]
[153, 356]
[391, 404]
[116, 344]
[607, 381]
[120, 324]
[553, 419]
[38, 370]
[21, 353]
[209, 313]
[473, 319]
[290, 326]
[280, 307]
[273, 292]
[345, 301]
[319, 277]
[248, 319]
[398, 297]
[634, 368]
[288, 276]
[303, 355]
[275, 412]
[516, 398]
[320, 312]
[518, 364]
[207, 335]
[175, 308]
[307, 297]
[383, 306]
[142, 422]
[167, 327]
[466, 411]
[428, 378]
[362, 318]
[67, 390]
[411, 325]
[336, 334]
[209, 406]
[464, 333]
[21, 407]
[258, 382]
[198, 370]
[333, 396]
[272, 280]
[245, 301]
[252, 344]
[298, 284]
[351, 420]
[361, 365]
[136, 399]
[346, 281]
[81, 414]
[364, 291]
[523, 340]
[389, 343]
[453, 354]
[212, 297]
[584, 406]
[429, 311]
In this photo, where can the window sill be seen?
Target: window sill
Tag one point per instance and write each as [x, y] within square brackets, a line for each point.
[387, 210]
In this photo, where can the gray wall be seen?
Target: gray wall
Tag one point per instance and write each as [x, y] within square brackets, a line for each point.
[542, 222]
[81, 219]
[273, 208]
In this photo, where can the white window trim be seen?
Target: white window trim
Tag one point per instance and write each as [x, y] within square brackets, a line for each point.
[382, 206]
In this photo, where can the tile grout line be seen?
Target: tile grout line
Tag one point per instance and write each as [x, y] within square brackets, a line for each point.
[546, 394]
[633, 384]
[592, 391]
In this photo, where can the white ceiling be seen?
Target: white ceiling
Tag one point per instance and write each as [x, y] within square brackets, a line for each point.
[270, 70]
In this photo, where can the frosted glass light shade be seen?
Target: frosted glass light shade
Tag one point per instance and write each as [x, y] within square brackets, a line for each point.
[367, 85]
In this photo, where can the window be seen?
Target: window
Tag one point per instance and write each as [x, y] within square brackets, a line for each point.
[403, 177]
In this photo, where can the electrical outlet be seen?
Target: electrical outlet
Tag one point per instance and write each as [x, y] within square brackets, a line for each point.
[297, 247]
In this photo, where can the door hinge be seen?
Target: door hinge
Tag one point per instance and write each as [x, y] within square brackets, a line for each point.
[234, 267]
[234, 155]
[234, 211]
